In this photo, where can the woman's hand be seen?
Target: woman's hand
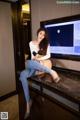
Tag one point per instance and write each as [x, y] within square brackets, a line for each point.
[37, 57]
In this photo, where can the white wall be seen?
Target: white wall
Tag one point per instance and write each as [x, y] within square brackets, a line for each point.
[49, 9]
[7, 66]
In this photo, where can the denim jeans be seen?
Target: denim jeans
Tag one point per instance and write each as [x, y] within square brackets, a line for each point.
[31, 66]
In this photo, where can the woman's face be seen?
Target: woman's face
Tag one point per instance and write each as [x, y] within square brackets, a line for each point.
[41, 35]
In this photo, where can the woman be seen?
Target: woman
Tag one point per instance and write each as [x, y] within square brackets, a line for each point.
[40, 53]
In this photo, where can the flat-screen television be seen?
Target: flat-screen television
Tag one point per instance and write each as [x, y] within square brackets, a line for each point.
[64, 37]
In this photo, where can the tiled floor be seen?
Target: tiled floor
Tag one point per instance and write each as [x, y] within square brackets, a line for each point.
[11, 106]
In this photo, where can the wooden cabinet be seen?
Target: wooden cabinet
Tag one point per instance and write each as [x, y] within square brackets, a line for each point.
[55, 101]
[46, 109]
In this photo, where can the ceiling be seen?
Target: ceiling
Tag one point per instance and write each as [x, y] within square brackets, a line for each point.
[10, 0]
[13, 0]
[27, 1]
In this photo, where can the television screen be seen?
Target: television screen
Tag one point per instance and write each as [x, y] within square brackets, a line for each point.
[64, 36]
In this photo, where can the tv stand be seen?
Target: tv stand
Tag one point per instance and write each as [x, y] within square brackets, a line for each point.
[66, 93]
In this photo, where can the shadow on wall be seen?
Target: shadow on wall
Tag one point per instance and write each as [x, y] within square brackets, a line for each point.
[57, 63]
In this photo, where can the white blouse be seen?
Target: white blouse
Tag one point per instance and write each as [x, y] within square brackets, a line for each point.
[34, 47]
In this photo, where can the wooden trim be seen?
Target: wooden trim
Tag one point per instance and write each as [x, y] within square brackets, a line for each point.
[8, 95]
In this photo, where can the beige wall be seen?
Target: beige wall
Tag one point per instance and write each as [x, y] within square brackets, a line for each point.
[7, 70]
[48, 9]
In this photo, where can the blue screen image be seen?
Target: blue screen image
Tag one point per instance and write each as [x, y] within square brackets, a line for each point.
[61, 35]
[64, 37]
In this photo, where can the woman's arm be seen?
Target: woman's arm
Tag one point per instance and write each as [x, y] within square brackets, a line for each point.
[37, 56]
[32, 49]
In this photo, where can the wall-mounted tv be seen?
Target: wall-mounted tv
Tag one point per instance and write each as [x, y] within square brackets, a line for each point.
[64, 37]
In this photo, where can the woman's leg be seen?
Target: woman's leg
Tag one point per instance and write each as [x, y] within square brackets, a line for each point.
[31, 67]
[35, 65]
[23, 78]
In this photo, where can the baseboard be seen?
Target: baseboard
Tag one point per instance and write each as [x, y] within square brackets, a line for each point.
[8, 95]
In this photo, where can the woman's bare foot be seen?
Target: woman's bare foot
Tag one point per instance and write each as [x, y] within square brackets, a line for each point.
[57, 80]
[55, 76]
[28, 106]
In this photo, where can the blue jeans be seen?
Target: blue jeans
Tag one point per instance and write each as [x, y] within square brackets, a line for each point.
[31, 66]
